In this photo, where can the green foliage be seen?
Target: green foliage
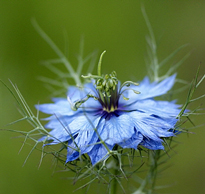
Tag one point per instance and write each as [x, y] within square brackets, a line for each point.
[60, 84]
[153, 65]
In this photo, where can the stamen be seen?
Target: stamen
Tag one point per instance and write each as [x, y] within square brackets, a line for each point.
[76, 105]
[107, 89]
[128, 83]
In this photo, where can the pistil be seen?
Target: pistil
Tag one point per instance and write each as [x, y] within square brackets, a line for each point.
[107, 90]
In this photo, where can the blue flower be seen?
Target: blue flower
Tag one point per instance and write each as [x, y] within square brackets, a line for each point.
[113, 113]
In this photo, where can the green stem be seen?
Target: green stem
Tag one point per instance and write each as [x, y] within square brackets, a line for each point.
[154, 157]
[113, 189]
[114, 186]
[148, 184]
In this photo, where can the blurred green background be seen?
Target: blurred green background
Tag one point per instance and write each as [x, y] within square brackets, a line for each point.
[119, 28]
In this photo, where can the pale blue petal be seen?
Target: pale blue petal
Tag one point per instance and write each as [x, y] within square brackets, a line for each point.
[133, 142]
[151, 144]
[72, 151]
[155, 88]
[76, 94]
[61, 134]
[86, 135]
[58, 135]
[117, 129]
[149, 126]
[85, 122]
[60, 121]
[98, 153]
[61, 107]
[159, 108]
[58, 99]
[148, 90]
[60, 131]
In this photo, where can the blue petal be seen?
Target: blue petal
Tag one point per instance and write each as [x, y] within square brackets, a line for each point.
[155, 88]
[61, 107]
[150, 127]
[86, 137]
[58, 99]
[84, 122]
[117, 129]
[153, 145]
[58, 135]
[72, 151]
[76, 94]
[133, 142]
[57, 122]
[60, 131]
[98, 153]
[148, 90]
[159, 108]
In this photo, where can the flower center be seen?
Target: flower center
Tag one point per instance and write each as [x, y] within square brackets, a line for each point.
[107, 87]
[108, 93]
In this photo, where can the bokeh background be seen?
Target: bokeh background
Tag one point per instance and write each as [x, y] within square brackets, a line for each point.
[119, 28]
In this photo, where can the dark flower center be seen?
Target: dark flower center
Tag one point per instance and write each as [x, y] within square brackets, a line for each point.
[107, 88]
[108, 93]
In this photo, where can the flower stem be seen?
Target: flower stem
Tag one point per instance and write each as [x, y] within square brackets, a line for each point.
[114, 186]
[154, 158]
[148, 184]
[113, 189]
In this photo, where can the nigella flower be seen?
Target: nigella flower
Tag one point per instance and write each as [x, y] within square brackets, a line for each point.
[104, 113]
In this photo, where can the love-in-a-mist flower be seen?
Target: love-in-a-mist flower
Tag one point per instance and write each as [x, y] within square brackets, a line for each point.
[104, 113]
